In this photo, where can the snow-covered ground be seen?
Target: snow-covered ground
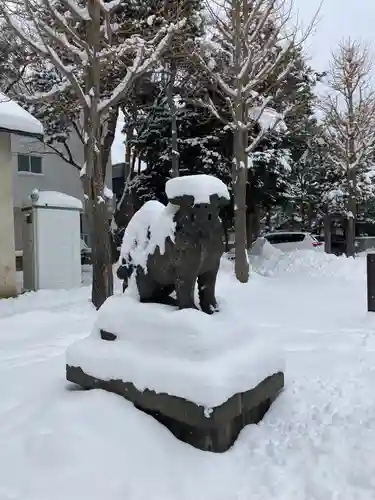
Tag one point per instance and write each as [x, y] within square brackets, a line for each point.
[316, 442]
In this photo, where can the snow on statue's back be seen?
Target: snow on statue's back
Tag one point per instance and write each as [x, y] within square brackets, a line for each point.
[148, 228]
[201, 187]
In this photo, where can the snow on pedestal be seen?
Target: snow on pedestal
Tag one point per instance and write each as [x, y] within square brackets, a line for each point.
[182, 353]
[202, 376]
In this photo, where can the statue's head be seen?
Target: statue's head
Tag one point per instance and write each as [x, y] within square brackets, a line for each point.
[198, 218]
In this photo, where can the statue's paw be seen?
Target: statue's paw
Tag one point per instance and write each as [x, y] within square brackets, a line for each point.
[210, 308]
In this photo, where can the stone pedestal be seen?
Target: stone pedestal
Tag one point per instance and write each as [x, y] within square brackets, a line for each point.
[203, 377]
[209, 430]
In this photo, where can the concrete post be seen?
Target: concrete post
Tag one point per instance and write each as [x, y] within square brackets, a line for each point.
[371, 282]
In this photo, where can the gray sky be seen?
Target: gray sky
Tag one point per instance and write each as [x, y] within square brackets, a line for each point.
[338, 19]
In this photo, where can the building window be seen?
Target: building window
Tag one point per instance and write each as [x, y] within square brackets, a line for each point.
[30, 164]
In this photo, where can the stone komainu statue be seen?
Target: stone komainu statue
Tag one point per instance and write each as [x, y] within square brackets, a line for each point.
[171, 248]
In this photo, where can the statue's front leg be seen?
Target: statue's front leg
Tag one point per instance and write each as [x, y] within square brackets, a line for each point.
[145, 284]
[185, 286]
[206, 290]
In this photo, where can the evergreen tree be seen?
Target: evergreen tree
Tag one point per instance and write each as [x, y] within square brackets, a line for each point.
[278, 159]
[204, 147]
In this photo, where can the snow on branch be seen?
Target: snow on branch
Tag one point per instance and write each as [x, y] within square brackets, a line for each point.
[56, 90]
[250, 46]
[109, 6]
[81, 13]
[44, 46]
[145, 59]
[68, 72]
[244, 55]
[18, 30]
[349, 108]
[268, 118]
[61, 40]
[61, 20]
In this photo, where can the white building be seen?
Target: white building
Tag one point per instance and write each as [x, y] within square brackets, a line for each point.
[14, 121]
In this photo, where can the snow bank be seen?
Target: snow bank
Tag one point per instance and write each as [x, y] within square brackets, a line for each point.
[205, 359]
[268, 260]
[57, 200]
[149, 227]
[15, 119]
[201, 187]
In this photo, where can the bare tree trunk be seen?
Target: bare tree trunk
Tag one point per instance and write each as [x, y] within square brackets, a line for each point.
[249, 228]
[253, 225]
[239, 183]
[302, 215]
[351, 208]
[350, 226]
[351, 176]
[130, 162]
[327, 233]
[310, 215]
[256, 230]
[240, 157]
[102, 286]
[109, 136]
[268, 219]
[173, 115]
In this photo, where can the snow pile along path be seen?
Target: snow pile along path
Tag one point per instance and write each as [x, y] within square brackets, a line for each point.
[316, 443]
[270, 261]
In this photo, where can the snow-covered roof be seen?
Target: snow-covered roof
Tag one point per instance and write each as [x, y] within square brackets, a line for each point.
[55, 199]
[17, 120]
[200, 186]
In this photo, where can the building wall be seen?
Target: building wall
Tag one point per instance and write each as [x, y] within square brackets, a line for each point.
[57, 175]
[7, 258]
